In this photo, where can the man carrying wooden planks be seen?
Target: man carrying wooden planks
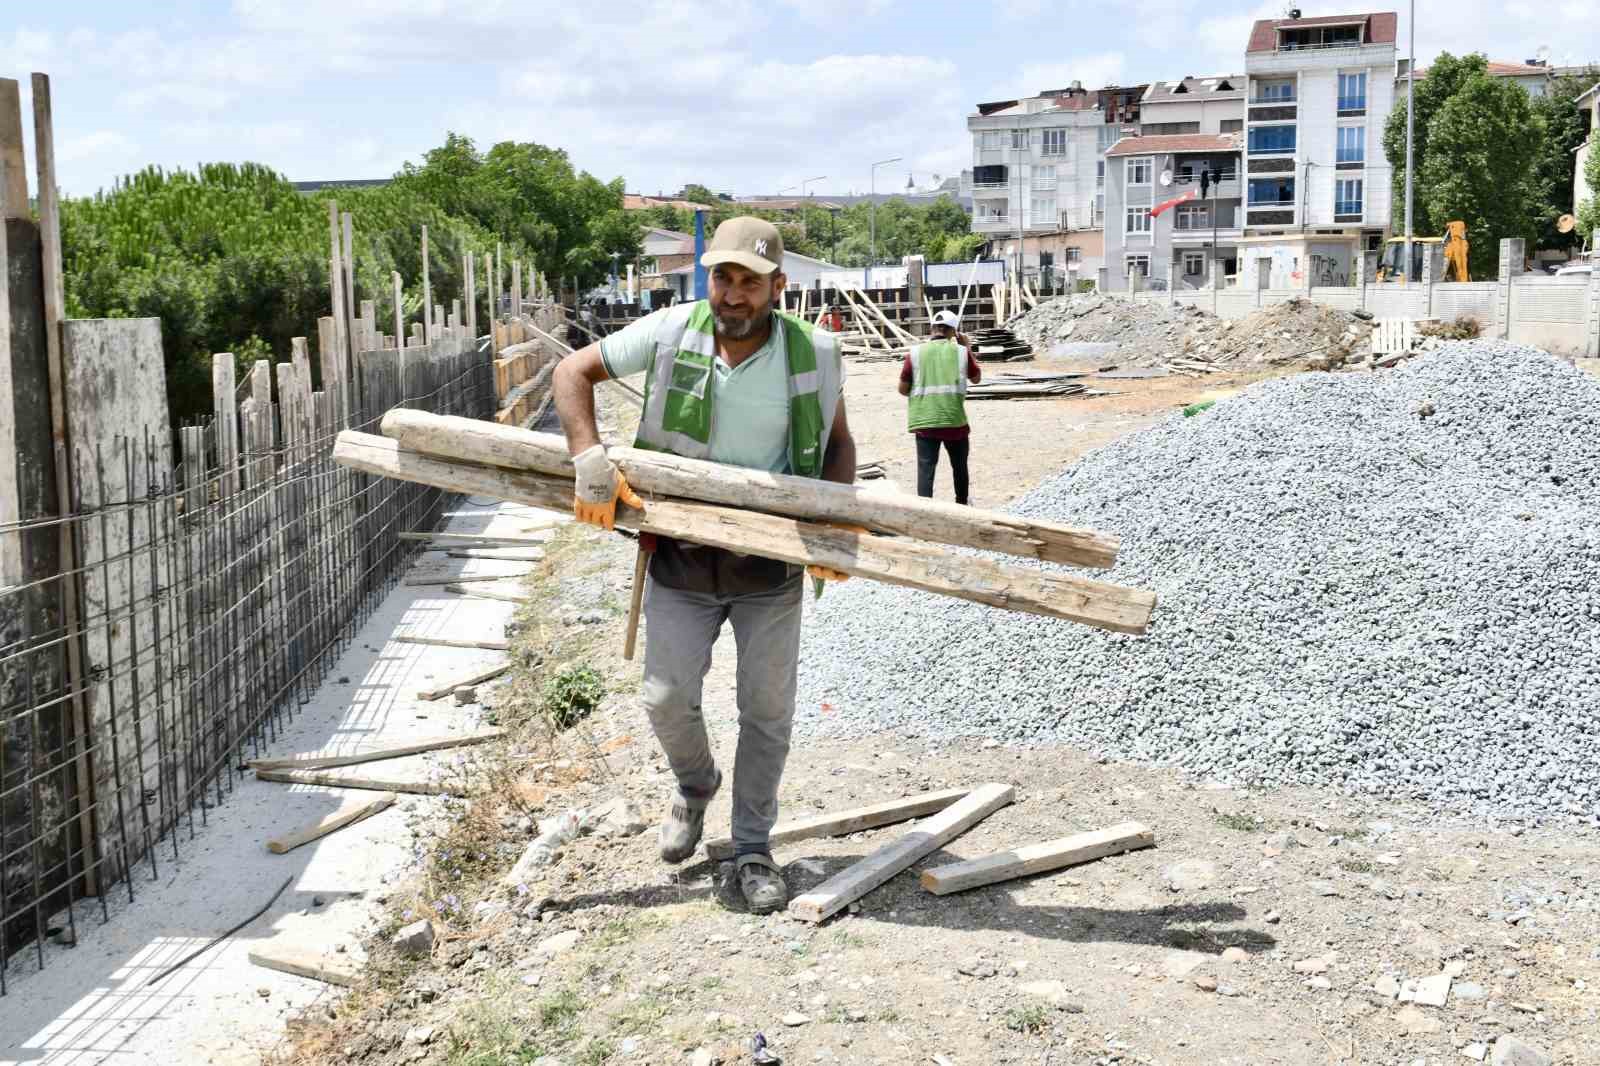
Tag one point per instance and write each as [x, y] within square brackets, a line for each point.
[935, 377]
[732, 380]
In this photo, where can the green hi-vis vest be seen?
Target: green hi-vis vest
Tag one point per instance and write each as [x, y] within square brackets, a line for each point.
[938, 386]
[677, 391]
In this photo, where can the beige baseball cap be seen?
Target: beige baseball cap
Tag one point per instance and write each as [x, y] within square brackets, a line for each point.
[753, 243]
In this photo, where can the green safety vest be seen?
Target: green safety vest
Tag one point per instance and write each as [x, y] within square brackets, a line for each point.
[938, 386]
[677, 391]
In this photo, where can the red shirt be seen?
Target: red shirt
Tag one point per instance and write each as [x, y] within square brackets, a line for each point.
[974, 374]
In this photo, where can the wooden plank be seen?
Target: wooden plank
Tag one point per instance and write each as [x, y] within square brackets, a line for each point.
[513, 555]
[306, 962]
[464, 578]
[892, 560]
[476, 540]
[333, 780]
[853, 882]
[1037, 858]
[446, 642]
[349, 814]
[440, 692]
[13, 160]
[416, 747]
[486, 594]
[841, 823]
[641, 567]
[798, 497]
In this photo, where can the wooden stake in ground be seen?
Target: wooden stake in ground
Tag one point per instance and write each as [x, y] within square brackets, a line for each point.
[855, 820]
[478, 678]
[1037, 858]
[641, 567]
[329, 968]
[850, 884]
[416, 747]
[349, 814]
[892, 560]
[327, 780]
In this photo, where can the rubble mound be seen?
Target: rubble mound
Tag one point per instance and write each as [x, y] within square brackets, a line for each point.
[1153, 333]
[1387, 584]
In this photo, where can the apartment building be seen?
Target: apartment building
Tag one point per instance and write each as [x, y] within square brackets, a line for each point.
[1187, 144]
[1038, 173]
[1317, 186]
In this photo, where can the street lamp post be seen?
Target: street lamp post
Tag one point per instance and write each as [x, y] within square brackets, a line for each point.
[872, 216]
[808, 181]
[1411, 114]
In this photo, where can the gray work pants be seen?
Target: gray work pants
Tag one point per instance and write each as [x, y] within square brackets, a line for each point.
[681, 627]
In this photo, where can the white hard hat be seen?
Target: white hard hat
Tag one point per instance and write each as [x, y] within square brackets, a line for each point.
[947, 318]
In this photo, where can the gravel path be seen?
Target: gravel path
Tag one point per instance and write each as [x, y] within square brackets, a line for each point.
[1384, 583]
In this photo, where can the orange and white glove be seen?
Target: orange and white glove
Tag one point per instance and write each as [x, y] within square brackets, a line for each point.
[597, 488]
[825, 573]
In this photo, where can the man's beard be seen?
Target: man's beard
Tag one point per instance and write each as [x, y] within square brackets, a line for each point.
[734, 328]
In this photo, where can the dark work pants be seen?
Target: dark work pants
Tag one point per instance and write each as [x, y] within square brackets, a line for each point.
[928, 462]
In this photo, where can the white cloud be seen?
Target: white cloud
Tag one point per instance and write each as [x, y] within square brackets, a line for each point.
[1094, 71]
[198, 97]
[107, 145]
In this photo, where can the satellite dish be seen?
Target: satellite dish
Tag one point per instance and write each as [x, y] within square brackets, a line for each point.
[1166, 177]
[1566, 223]
[1543, 53]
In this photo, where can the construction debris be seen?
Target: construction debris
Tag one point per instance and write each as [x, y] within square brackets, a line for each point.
[999, 345]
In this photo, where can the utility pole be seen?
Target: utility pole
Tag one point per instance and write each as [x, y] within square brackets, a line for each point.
[872, 216]
[1411, 118]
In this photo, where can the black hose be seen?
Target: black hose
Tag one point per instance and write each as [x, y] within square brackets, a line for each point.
[195, 954]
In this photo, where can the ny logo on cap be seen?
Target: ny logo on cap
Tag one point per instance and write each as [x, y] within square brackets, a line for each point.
[761, 247]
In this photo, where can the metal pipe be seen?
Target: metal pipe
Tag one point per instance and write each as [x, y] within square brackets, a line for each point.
[1411, 118]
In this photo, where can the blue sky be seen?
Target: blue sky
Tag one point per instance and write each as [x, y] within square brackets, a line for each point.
[745, 97]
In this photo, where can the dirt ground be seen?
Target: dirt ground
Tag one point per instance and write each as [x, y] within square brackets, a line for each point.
[1264, 927]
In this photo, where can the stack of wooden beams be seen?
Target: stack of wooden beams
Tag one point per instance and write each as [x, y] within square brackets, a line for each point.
[795, 520]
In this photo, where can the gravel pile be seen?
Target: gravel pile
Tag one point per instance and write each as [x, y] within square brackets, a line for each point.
[1386, 583]
[1153, 333]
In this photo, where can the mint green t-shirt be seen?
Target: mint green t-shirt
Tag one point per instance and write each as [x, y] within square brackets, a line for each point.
[749, 402]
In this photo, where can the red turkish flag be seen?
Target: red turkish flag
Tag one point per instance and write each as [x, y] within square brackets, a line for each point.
[1155, 212]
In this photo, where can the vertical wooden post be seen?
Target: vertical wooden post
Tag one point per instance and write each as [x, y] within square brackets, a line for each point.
[494, 309]
[369, 325]
[329, 358]
[340, 346]
[302, 406]
[470, 283]
[455, 317]
[225, 422]
[348, 225]
[399, 316]
[516, 289]
[427, 292]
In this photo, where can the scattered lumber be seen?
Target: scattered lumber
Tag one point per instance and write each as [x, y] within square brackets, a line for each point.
[998, 344]
[472, 441]
[448, 642]
[326, 967]
[462, 579]
[513, 555]
[478, 678]
[893, 560]
[416, 747]
[855, 820]
[450, 541]
[1037, 858]
[349, 814]
[1022, 390]
[486, 594]
[853, 882]
[373, 784]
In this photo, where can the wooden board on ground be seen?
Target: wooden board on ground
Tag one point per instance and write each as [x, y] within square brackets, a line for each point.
[417, 747]
[441, 691]
[322, 966]
[455, 579]
[349, 814]
[511, 555]
[840, 823]
[485, 594]
[451, 541]
[853, 882]
[331, 780]
[1037, 858]
[447, 642]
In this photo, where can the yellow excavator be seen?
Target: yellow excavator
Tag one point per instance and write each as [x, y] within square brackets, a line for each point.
[1449, 254]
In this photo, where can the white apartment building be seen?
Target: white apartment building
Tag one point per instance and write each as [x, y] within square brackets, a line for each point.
[1038, 174]
[1317, 185]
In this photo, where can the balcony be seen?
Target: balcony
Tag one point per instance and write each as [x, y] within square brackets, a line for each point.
[992, 224]
[1353, 104]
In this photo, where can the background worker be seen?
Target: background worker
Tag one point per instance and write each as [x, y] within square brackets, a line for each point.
[935, 377]
[731, 380]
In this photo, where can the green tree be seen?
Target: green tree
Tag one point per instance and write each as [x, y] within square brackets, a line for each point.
[1564, 131]
[1589, 210]
[1483, 143]
[1444, 79]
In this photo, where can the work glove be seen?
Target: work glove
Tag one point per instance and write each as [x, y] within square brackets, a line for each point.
[820, 575]
[598, 487]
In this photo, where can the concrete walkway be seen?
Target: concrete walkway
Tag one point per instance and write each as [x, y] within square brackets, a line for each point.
[94, 1003]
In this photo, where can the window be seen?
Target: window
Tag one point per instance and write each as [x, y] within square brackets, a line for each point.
[1055, 142]
[1108, 136]
[990, 140]
[1352, 144]
[1100, 174]
[1074, 255]
[1139, 171]
[1353, 92]
[1274, 92]
[989, 211]
[1271, 192]
[1154, 129]
[1138, 220]
[990, 176]
[1271, 140]
[1193, 216]
[1138, 264]
[1044, 177]
[1019, 139]
[1043, 211]
[1232, 125]
[1347, 196]
[1194, 264]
